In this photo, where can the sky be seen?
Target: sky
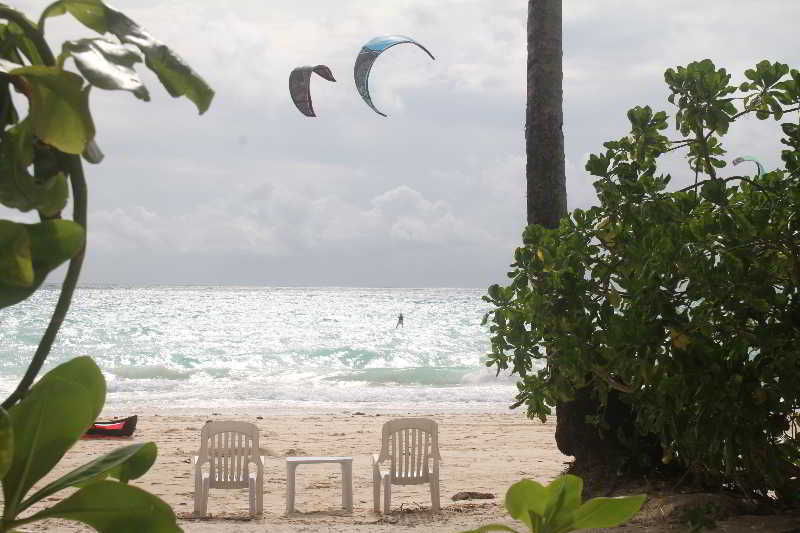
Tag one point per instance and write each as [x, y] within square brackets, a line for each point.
[254, 193]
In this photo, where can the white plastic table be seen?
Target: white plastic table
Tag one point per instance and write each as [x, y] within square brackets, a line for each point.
[347, 478]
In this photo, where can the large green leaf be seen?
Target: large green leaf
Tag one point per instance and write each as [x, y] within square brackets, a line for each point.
[177, 77]
[6, 442]
[17, 42]
[564, 499]
[54, 241]
[572, 487]
[129, 462]
[107, 65]
[51, 243]
[526, 496]
[113, 507]
[16, 267]
[59, 107]
[47, 191]
[46, 423]
[91, 13]
[607, 512]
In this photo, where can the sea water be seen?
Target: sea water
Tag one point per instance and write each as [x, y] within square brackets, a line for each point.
[227, 347]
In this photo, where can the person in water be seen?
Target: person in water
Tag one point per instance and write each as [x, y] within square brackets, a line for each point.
[399, 321]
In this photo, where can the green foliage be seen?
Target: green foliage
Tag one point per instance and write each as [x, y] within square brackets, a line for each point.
[37, 432]
[557, 508]
[687, 302]
[39, 154]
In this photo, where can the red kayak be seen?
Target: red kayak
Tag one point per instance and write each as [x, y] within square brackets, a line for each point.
[124, 427]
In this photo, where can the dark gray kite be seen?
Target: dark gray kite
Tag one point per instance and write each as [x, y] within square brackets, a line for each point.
[300, 86]
[367, 56]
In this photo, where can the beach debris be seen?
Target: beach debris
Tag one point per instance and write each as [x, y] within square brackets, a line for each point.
[472, 495]
[358, 413]
[259, 418]
[300, 86]
[367, 56]
[295, 452]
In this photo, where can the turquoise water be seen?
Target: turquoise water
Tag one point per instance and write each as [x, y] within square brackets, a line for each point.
[190, 347]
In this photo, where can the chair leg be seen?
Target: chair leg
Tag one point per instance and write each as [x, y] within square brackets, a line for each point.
[435, 495]
[260, 495]
[290, 473]
[204, 498]
[387, 494]
[198, 496]
[347, 486]
[251, 493]
[376, 492]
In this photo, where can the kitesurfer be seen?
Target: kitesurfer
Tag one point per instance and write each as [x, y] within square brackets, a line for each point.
[399, 321]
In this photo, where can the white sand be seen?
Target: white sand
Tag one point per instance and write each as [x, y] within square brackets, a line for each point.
[484, 452]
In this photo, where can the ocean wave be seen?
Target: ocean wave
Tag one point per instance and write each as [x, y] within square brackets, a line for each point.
[149, 372]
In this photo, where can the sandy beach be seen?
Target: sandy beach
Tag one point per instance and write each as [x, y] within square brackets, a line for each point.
[482, 452]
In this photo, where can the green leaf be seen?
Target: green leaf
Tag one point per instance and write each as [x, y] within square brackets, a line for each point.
[565, 499]
[177, 77]
[107, 65]
[607, 512]
[91, 13]
[18, 188]
[713, 191]
[54, 241]
[112, 507]
[524, 496]
[59, 107]
[46, 423]
[126, 463]
[16, 267]
[51, 243]
[93, 154]
[6, 442]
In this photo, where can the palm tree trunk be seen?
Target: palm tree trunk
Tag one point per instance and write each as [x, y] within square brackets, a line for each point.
[544, 117]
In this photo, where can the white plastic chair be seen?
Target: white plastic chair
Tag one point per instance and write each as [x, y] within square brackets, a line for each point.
[227, 451]
[411, 445]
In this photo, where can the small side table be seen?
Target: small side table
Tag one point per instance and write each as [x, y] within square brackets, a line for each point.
[347, 478]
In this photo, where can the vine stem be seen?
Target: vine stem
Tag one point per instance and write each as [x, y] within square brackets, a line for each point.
[79, 195]
[79, 215]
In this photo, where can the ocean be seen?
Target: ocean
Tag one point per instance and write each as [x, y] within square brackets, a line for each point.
[197, 347]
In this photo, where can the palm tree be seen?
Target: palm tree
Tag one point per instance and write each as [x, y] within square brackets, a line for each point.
[544, 138]
[547, 204]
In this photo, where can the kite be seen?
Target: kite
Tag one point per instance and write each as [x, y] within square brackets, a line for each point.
[759, 166]
[300, 86]
[367, 56]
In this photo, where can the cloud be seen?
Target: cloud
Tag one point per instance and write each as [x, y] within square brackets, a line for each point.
[253, 192]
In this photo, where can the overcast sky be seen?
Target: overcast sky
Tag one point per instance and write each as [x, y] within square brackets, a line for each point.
[255, 193]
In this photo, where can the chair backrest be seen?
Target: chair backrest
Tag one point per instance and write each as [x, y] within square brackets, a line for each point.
[410, 444]
[229, 448]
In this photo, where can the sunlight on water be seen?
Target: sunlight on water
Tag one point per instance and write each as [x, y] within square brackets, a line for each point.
[205, 346]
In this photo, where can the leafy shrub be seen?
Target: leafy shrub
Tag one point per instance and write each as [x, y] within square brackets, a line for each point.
[40, 159]
[557, 508]
[687, 302]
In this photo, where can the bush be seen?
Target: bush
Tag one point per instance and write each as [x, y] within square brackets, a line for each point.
[686, 302]
[557, 508]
